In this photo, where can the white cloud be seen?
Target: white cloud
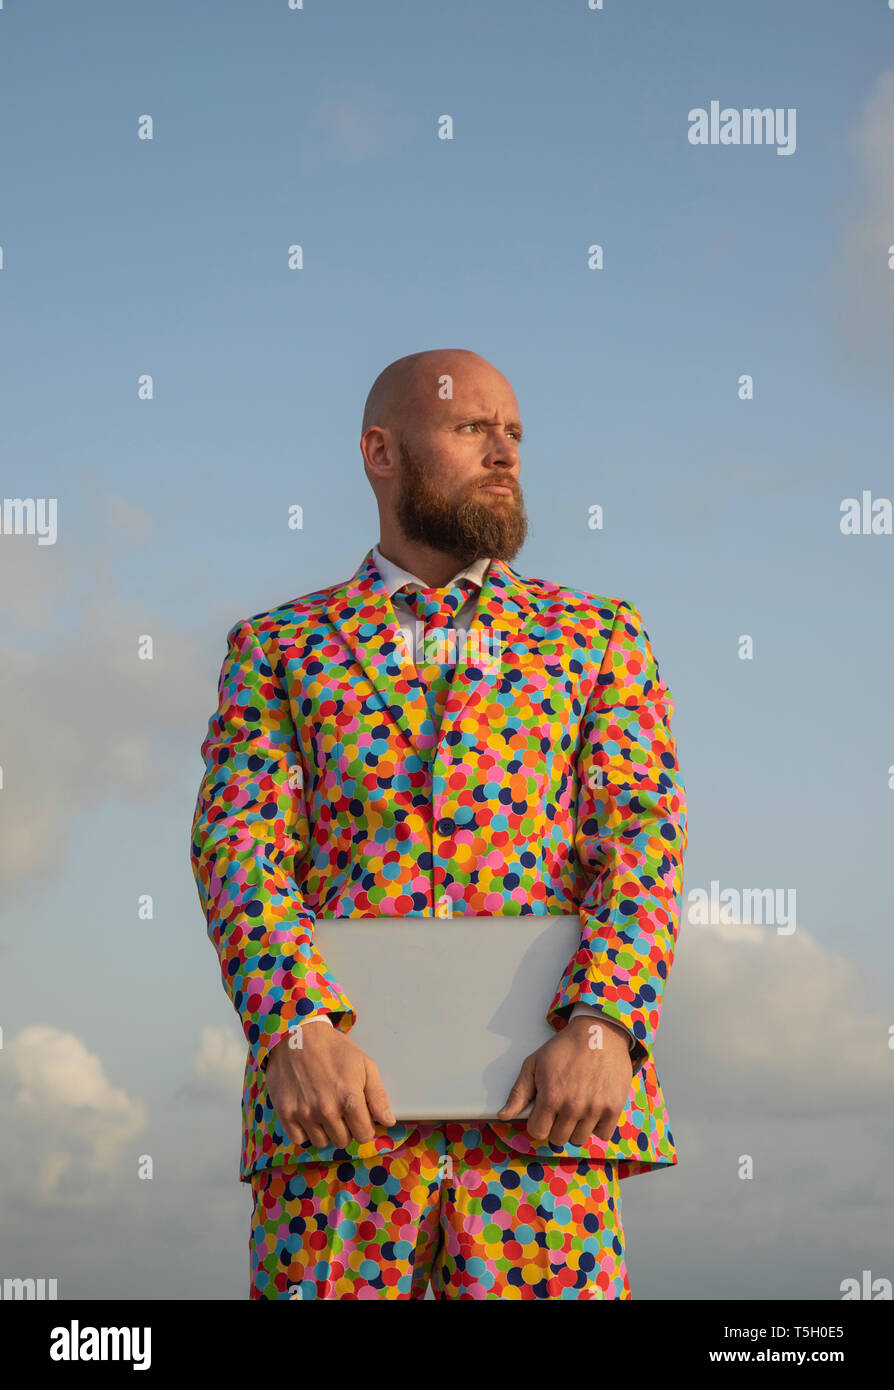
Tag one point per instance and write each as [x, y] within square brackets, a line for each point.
[68, 1119]
[765, 1024]
[220, 1060]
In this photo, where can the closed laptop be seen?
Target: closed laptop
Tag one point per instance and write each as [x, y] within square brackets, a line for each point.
[449, 1007]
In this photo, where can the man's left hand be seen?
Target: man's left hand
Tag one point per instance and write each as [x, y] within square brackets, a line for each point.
[578, 1081]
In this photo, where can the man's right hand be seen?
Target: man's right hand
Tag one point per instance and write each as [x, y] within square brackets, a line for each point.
[327, 1090]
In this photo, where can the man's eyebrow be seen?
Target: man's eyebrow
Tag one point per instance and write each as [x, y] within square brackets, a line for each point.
[483, 420]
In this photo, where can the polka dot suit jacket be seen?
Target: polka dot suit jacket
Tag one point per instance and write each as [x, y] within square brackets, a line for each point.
[554, 788]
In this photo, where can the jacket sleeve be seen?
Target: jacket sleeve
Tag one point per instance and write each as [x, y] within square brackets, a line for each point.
[630, 838]
[249, 834]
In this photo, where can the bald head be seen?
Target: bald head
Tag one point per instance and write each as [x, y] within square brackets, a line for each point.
[411, 385]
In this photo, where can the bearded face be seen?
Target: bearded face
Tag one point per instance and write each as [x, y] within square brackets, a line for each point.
[468, 521]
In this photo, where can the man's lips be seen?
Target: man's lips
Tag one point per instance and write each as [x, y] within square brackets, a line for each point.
[497, 487]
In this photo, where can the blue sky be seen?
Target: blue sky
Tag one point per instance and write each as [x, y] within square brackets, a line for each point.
[169, 257]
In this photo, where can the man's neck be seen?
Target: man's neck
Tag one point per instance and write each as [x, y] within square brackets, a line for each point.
[435, 568]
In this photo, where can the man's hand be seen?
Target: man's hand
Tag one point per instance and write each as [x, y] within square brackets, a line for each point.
[325, 1089]
[578, 1082]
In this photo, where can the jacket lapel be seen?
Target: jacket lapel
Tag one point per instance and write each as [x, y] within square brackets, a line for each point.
[361, 612]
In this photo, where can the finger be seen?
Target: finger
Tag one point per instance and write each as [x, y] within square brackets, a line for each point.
[357, 1119]
[521, 1094]
[293, 1132]
[583, 1131]
[377, 1099]
[298, 1128]
[607, 1122]
[541, 1120]
[335, 1127]
[565, 1121]
[317, 1134]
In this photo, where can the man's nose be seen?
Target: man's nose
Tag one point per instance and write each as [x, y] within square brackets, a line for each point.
[504, 453]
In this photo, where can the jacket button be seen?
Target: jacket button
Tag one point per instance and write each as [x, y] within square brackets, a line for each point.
[445, 826]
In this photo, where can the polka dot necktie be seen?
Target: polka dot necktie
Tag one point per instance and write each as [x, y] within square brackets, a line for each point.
[436, 610]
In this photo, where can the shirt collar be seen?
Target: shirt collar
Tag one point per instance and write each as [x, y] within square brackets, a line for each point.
[394, 577]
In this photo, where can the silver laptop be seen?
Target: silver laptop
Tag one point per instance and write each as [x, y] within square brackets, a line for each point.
[449, 1007]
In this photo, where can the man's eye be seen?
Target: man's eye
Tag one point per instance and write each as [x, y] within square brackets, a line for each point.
[473, 425]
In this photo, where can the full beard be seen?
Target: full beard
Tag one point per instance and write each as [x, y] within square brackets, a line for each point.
[473, 527]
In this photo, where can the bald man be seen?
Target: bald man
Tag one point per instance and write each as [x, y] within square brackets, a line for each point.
[348, 1203]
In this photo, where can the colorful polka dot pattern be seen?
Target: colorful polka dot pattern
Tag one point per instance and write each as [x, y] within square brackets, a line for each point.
[551, 786]
[451, 1206]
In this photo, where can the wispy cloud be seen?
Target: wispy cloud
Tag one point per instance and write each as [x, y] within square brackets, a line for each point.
[765, 1024]
[85, 718]
[220, 1060]
[65, 1120]
[866, 284]
[350, 124]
